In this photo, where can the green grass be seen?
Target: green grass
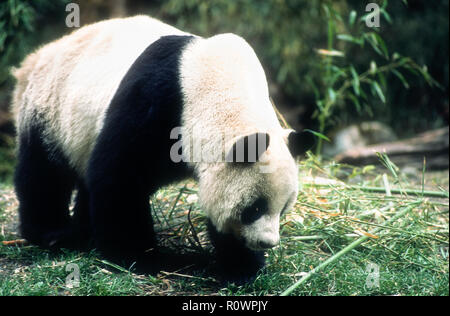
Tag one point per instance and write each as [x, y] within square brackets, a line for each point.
[410, 253]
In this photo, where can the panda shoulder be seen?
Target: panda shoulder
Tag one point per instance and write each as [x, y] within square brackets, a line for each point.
[228, 42]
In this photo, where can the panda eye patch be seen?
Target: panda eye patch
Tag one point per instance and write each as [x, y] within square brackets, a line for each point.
[254, 211]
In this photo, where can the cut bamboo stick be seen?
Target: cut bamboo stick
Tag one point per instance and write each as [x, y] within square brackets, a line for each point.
[351, 246]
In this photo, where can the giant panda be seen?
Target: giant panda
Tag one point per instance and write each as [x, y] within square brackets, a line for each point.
[95, 113]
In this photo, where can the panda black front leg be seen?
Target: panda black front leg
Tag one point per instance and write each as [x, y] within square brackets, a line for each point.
[119, 191]
[81, 227]
[119, 207]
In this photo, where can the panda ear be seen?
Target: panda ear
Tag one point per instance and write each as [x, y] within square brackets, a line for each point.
[249, 148]
[300, 142]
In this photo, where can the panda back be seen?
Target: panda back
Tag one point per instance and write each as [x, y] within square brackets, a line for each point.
[225, 92]
[66, 86]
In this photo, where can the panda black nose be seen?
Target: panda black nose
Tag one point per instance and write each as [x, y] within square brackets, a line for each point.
[266, 244]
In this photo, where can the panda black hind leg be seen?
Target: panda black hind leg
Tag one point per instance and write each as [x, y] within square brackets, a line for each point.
[43, 183]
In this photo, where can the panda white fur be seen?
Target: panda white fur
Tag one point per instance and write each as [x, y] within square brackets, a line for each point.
[94, 113]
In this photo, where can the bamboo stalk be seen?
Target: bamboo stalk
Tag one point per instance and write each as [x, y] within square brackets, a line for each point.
[347, 249]
[176, 201]
[315, 237]
[16, 242]
[440, 194]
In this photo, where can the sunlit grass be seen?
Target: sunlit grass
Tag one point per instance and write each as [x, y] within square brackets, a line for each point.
[407, 256]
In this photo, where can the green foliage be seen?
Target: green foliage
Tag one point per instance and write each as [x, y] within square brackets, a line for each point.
[339, 82]
[276, 29]
[20, 31]
[17, 21]
[290, 35]
[7, 158]
[284, 33]
[315, 44]
[411, 252]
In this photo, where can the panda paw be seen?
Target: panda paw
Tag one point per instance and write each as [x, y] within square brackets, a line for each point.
[68, 238]
[238, 277]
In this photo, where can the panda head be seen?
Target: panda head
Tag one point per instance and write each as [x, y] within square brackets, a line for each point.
[246, 197]
[225, 91]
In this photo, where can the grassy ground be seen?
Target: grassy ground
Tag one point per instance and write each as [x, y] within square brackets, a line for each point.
[406, 257]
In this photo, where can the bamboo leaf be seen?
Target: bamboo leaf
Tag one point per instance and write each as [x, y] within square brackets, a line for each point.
[332, 95]
[377, 44]
[382, 80]
[320, 135]
[319, 104]
[401, 77]
[355, 102]
[330, 53]
[352, 18]
[313, 86]
[382, 44]
[396, 56]
[373, 67]
[355, 82]
[350, 38]
[337, 73]
[386, 15]
[379, 92]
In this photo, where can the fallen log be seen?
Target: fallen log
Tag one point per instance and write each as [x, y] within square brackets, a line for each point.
[431, 145]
